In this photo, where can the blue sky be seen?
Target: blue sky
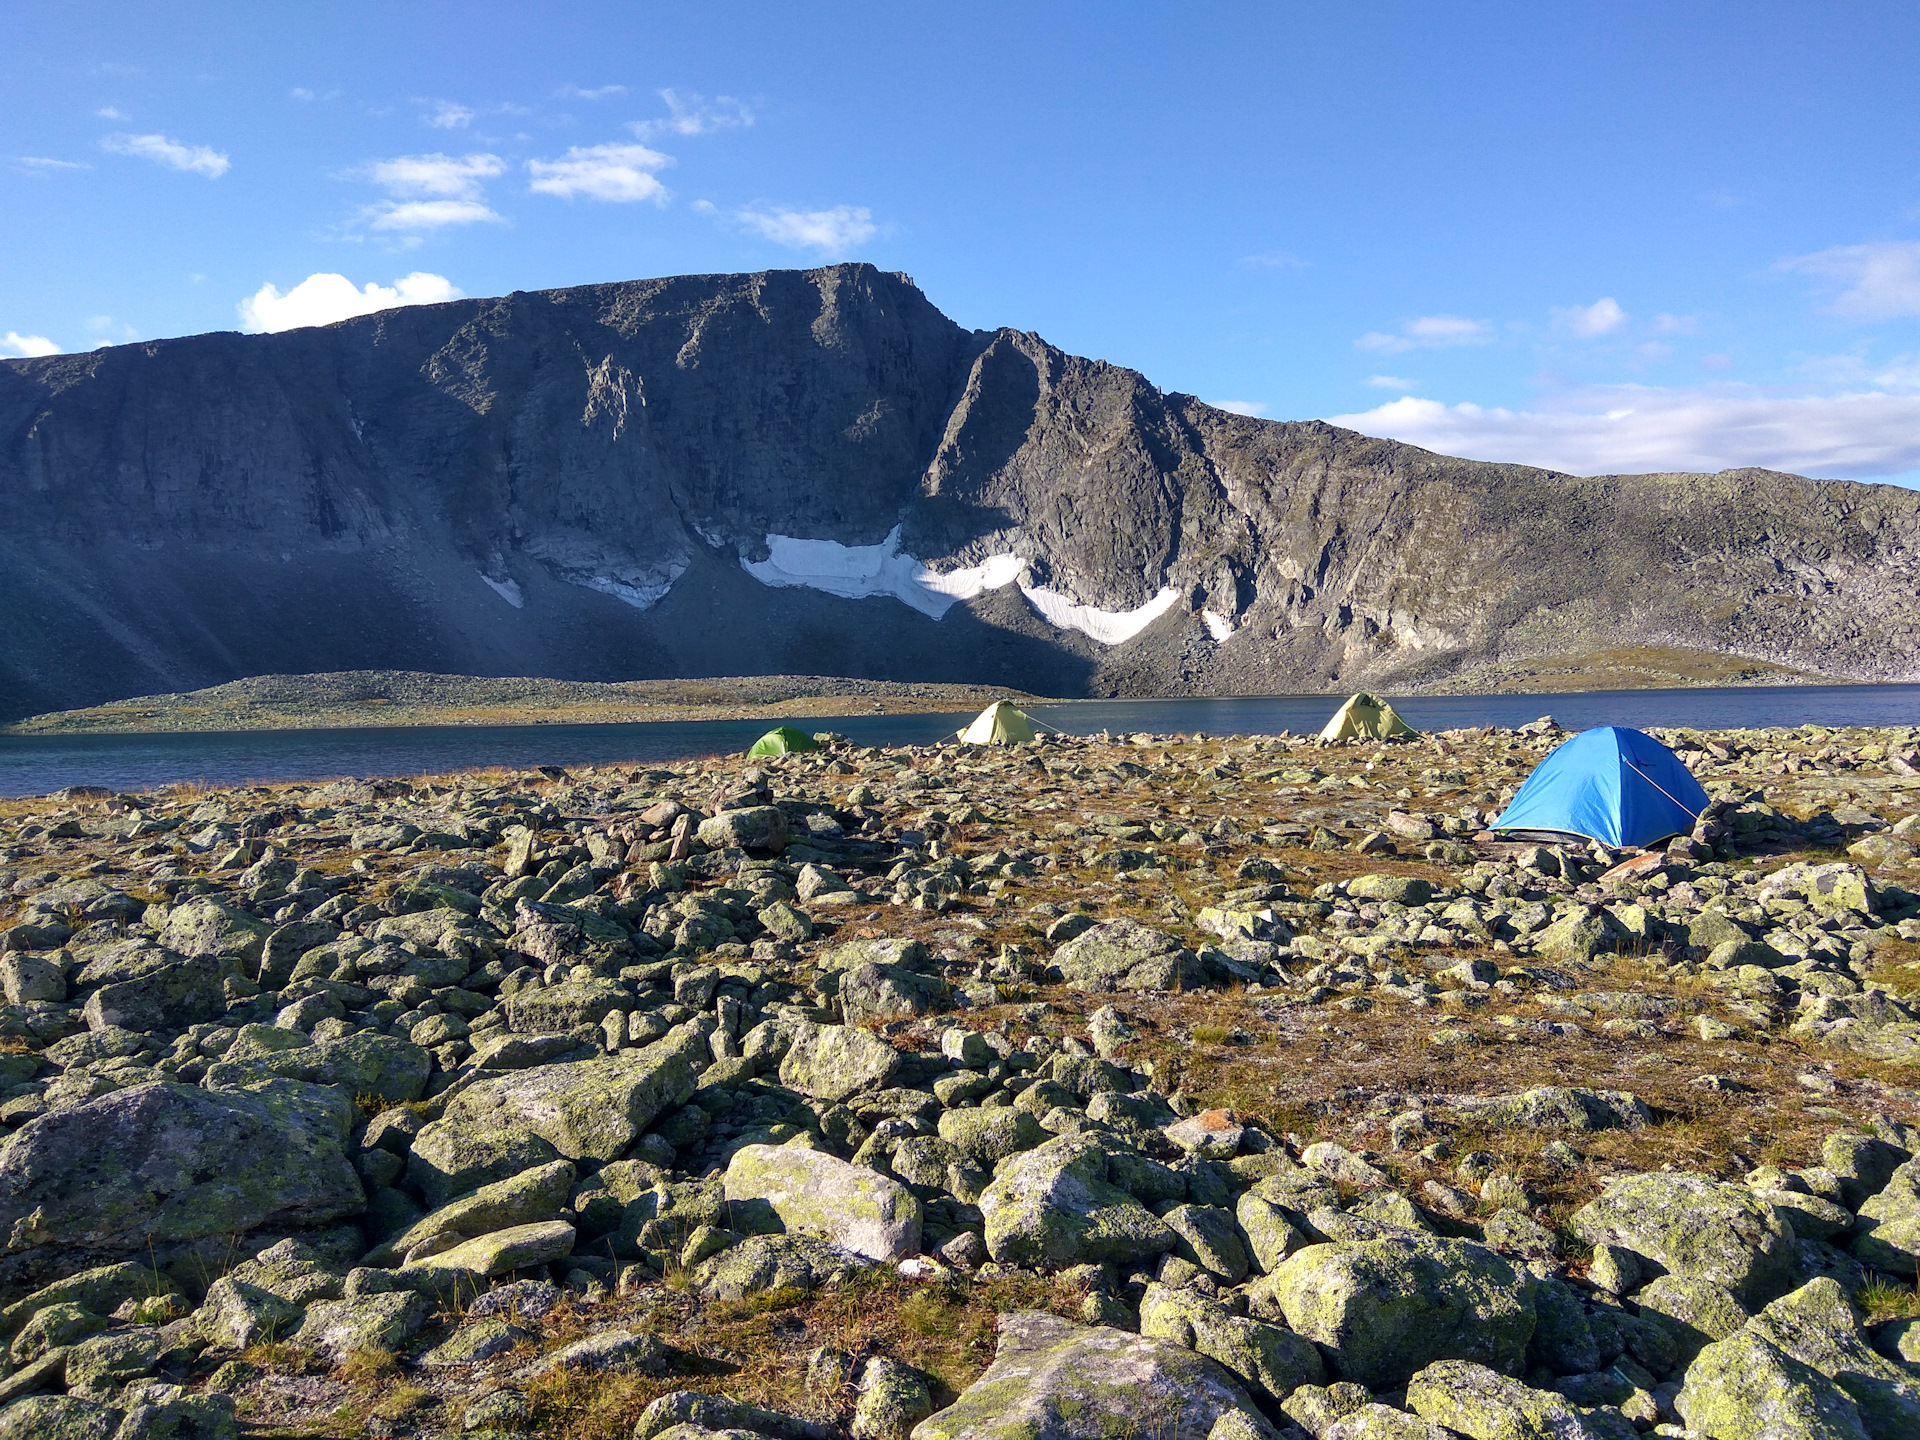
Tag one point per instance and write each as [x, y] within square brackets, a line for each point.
[1599, 237]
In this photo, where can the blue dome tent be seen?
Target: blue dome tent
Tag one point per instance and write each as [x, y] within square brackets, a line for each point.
[1613, 785]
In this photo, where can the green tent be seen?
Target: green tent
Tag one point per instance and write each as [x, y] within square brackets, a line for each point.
[783, 740]
[1366, 717]
[1001, 723]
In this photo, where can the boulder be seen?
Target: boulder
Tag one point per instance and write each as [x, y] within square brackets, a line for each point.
[1382, 1309]
[537, 1194]
[1887, 1235]
[1817, 1327]
[340, 1329]
[365, 1063]
[498, 1252]
[1399, 889]
[58, 1417]
[206, 927]
[1568, 1107]
[1693, 1225]
[1485, 1405]
[165, 1163]
[237, 1315]
[1054, 1380]
[772, 1262]
[1695, 1312]
[558, 1009]
[168, 999]
[1055, 1205]
[1836, 889]
[888, 992]
[986, 1137]
[587, 1110]
[1126, 955]
[1747, 1388]
[447, 1161]
[1274, 1361]
[758, 827]
[834, 1062]
[813, 1193]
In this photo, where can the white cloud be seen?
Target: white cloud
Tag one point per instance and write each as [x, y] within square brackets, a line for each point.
[324, 298]
[194, 159]
[413, 216]
[448, 116]
[109, 330]
[14, 343]
[455, 177]
[46, 165]
[1589, 322]
[1273, 260]
[1240, 407]
[1428, 332]
[690, 114]
[1627, 429]
[1389, 382]
[1882, 278]
[602, 172]
[300, 92]
[599, 92]
[109, 113]
[1665, 324]
[831, 232]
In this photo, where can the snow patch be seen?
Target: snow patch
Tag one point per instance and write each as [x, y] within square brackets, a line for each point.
[641, 592]
[855, 572]
[507, 590]
[1218, 625]
[1109, 627]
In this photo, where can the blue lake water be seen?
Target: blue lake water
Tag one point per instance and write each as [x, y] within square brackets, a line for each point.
[36, 765]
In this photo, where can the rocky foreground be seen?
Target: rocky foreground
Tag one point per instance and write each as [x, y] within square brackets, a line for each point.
[1132, 1086]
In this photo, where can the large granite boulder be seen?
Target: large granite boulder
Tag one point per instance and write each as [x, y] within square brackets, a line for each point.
[367, 1063]
[1693, 1225]
[834, 1062]
[1126, 955]
[165, 1163]
[1055, 1205]
[1382, 1309]
[814, 1193]
[1054, 1380]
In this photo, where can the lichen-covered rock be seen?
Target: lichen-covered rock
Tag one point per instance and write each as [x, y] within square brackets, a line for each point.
[835, 1062]
[1817, 1327]
[1206, 1236]
[500, 1251]
[97, 1369]
[1275, 1362]
[814, 1193]
[558, 1009]
[1382, 1309]
[170, 998]
[720, 1412]
[1695, 1312]
[1835, 889]
[1747, 1388]
[536, 1194]
[761, 828]
[339, 1329]
[890, 992]
[58, 1417]
[772, 1262]
[1054, 1205]
[1382, 1422]
[163, 1163]
[1693, 1225]
[1271, 1235]
[451, 1160]
[384, 1066]
[206, 927]
[101, 1290]
[1569, 1107]
[1486, 1405]
[1123, 954]
[893, 1399]
[986, 1137]
[237, 1315]
[1887, 1237]
[588, 1110]
[1054, 1380]
[167, 1412]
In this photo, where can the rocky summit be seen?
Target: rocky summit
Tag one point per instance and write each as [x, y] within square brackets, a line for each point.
[1237, 1089]
[818, 473]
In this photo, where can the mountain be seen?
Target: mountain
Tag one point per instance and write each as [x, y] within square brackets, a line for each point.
[816, 472]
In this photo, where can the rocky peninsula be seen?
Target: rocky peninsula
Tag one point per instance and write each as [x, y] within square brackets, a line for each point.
[1220, 1088]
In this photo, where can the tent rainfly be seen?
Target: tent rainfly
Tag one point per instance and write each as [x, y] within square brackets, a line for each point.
[1366, 717]
[783, 740]
[1613, 785]
[1001, 723]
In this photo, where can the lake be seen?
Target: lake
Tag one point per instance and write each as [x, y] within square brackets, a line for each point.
[37, 765]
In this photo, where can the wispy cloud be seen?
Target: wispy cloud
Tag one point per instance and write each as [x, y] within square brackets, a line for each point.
[45, 165]
[1665, 324]
[599, 92]
[414, 216]
[110, 113]
[1880, 280]
[456, 177]
[831, 232]
[1427, 332]
[1625, 429]
[445, 115]
[1272, 260]
[26, 346]
[613, 172]
[1240, 407]
[1589, 322]
[193, 159]
[690, 114]
[108, 330]
[322, 299]
[1389, 382]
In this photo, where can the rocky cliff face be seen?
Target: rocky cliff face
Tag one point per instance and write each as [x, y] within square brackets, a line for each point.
[817, 472]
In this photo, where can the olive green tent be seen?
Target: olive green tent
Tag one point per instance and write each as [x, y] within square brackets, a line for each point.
[783, 740]
[1366, 717]
[1001, 723]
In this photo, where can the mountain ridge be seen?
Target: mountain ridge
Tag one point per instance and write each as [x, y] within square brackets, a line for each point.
[596, 483]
